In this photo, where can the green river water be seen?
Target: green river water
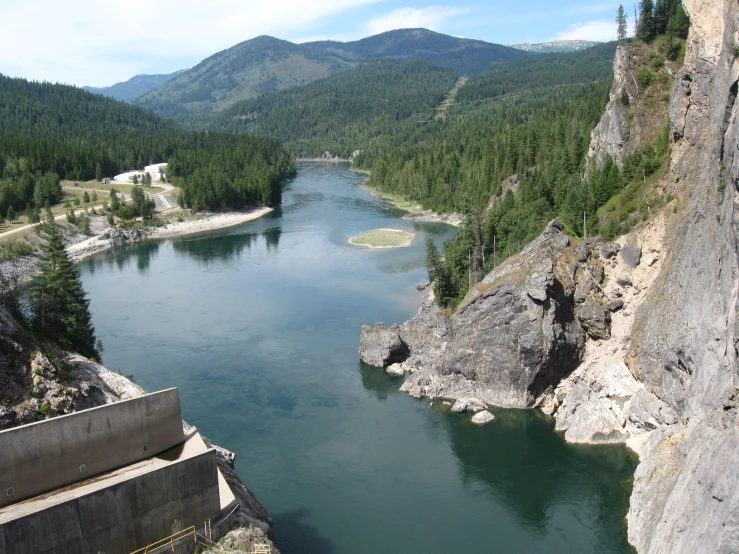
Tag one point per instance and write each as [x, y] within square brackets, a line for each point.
[258, 326]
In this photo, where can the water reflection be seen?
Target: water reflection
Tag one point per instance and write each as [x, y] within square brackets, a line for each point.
[209, 249]
[519, 457]
[272, 238]
[376, 380]
[142, 254]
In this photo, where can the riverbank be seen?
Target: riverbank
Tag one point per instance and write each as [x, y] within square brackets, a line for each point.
[105, 236]
[415, 212]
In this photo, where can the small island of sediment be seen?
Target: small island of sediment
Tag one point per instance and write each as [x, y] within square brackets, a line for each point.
[383, 238]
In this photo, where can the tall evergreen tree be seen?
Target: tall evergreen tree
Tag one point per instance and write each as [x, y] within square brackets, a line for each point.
[59, 307]
[645, 28]
[661, 17]
[621, 24]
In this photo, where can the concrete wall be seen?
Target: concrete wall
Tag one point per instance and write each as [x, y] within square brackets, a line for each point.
[124, 517]
[47, 455]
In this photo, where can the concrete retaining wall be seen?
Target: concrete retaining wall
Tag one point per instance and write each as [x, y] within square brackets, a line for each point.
[47, 455]
[124, 517]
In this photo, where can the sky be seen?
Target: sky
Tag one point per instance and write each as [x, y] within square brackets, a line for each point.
[102, 42]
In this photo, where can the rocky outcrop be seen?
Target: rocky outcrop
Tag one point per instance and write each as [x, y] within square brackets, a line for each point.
[382, 347]
[517, 334]
[632, 116]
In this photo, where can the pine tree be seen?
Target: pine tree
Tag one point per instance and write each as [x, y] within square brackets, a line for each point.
[86, 198]
[438, 274]
[11, 214]
[645, 29]
[661, 17]
[621, 23]
[59, 307]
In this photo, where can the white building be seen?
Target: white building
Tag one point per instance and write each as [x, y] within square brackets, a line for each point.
[155, 170]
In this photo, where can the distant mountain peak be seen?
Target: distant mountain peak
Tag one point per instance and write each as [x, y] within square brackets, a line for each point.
[555, 46]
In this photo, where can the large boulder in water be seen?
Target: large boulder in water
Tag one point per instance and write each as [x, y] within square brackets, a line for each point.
[381, 347]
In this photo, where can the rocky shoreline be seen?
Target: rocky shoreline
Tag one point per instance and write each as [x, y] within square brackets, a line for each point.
[104, 237]
[415, 212]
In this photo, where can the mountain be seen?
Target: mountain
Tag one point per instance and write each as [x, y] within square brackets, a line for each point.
[540, 71]
[130, 90]
[30, 109]
[266, 64]
[343, 112]
[51, 131]
[257, 66]
[464, 55]
[555, 46]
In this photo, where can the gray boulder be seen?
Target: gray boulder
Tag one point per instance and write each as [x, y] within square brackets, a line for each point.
[631, 255]
[595, 318]
[382, 347]
[468, 405]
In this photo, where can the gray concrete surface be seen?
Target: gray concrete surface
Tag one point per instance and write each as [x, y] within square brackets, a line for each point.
[120, 511]
[48, 455]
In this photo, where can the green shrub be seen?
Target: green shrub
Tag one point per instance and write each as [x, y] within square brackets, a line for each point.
[644, 78]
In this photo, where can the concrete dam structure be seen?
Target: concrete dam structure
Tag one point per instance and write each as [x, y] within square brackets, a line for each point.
[107, 480]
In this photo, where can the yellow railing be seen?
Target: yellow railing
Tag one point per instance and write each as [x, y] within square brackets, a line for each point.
[262, 549]
[169, 541]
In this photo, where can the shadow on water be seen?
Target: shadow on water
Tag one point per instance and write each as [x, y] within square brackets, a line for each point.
[303, 536]
[520, 458]
[376, 380]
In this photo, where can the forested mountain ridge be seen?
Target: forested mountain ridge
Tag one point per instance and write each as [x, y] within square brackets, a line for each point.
[345, 112]
[466, 56]
[540, 71]
[50, 131]
[136, 86]
[33, 109]
[266, 64]
[257, 66]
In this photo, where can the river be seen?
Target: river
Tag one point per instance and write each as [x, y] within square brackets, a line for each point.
[258, 326]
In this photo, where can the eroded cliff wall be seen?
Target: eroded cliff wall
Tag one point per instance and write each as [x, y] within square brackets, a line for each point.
[683, 347]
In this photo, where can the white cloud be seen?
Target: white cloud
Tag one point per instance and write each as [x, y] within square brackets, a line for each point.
[88, 42]
[432, 17]
[599, 30]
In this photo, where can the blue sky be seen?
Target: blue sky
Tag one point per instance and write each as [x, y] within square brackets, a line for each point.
[91, 42]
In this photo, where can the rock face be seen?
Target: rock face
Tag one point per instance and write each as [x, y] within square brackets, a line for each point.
[684, 344]
[518, 333]
[382, 347]
[624, 128]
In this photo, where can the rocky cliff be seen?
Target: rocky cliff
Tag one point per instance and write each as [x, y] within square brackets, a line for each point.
[634, 115]
[657, 369]
[684, 342]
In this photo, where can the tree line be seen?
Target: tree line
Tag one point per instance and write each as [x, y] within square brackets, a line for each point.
[52, 132]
